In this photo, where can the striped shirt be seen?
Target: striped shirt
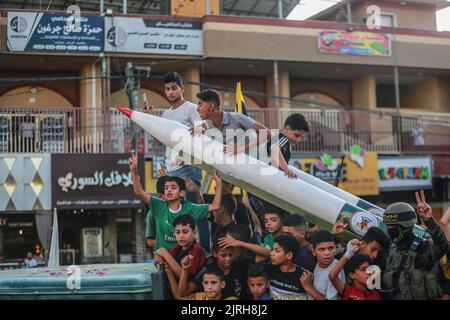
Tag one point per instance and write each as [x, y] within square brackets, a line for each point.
[283, 142]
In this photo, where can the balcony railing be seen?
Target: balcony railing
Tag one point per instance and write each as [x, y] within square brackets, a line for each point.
[331, 130]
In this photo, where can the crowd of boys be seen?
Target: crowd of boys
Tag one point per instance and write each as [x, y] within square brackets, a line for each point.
[240, 247]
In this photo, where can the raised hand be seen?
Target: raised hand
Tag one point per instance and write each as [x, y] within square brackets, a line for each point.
[216, 177]
[352, 248]
[133, 162]
[339, 227]
[424, 209]
[190, 185]
[162, 170]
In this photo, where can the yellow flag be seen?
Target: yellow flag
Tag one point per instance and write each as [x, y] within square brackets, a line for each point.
[240, 103]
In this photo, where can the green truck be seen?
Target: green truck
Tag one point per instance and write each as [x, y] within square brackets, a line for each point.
[139, 281]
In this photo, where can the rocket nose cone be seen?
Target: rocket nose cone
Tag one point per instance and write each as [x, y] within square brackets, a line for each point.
[125, 111]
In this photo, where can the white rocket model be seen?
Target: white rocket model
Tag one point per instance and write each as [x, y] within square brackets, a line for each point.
[262, 180]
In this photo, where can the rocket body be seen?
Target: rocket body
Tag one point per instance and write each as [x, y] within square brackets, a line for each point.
[257, 177]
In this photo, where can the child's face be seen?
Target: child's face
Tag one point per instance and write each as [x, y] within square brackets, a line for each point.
[212, 286]
[360, 275]
[278, 256]
[184, 235]
[370, 250]
[272, 222]
[325, 253]
[294, 136]
[299, 235]
[224, 257]
[172, 191]
[257, 286]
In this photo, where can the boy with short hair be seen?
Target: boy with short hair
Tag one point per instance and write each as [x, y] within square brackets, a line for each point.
[373, 243]
[165, 211]
[273, 219]
[284, 275]
[356, 265]
[279, 147]
[220, 123]
[185, 231]
[318, 285]
[258, 281]
[296, 225]
[222, 258]
[213, 283]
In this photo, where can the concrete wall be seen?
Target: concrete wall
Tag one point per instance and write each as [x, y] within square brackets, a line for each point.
[23, 97]
[409, 16]
[256, 84]
[337, 90]
[68, 90]
[290, 43]
[431, 94]
[364, 92]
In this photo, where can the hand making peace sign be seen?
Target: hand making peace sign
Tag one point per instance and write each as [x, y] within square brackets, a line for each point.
[424, 209]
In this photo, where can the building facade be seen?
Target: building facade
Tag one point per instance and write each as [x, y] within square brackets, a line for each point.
[384, 90]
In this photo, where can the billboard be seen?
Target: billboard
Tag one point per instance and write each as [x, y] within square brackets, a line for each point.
[359, 43]
[405, 173]
[51, 32]
[139, 35]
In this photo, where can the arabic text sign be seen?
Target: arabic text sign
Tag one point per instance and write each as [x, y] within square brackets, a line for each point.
[405, 173]
[360, 43]
[32, 31]
[139, 35]
[93, 181]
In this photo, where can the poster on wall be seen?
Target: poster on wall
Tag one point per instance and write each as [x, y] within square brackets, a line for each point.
[52, 32]
[359, 43]
[51, 129]
[161, 36]
[92, 242]
[5, 133]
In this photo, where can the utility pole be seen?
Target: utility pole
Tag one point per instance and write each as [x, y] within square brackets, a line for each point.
[132, 87]
[280, 9]
[132, 92]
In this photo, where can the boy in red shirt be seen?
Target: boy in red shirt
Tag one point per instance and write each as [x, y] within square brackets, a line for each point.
[184, 229]
[357, 265]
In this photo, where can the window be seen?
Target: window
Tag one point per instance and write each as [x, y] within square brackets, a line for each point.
[388, 20]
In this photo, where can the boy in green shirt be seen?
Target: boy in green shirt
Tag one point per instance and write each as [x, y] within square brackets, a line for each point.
[273, 219]
[162, 213]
